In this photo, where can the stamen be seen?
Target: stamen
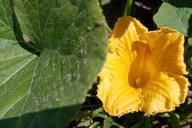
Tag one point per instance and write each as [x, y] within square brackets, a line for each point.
[138, 81]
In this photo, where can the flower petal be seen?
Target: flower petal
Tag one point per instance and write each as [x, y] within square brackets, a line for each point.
[167, 50]
[128, 25]
[164, 93]
[184, 83]
[114, 90]
[117, 97]
[125, 32]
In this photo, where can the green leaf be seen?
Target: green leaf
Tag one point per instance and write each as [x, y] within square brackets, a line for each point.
[145, 122]
[104, 2]
[72, 37]
[177, 15]
[190, 41]
[174, 120]
[16, 67]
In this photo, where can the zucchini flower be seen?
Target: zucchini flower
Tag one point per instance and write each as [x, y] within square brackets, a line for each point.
[144, 70]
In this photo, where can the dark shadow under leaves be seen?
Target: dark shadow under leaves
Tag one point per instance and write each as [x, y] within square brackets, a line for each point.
[189, 32]
[52, 118]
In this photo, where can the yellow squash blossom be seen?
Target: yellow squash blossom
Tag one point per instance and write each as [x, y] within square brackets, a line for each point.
[143, 70]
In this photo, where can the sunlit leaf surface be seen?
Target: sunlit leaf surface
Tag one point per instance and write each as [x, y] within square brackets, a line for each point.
[72, 37]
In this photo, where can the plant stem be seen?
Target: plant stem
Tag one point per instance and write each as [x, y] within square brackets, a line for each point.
[128, 8]
[107, 119]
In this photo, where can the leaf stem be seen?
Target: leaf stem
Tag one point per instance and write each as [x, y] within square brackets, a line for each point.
[107, 119]
[174, 120]
[128, 8]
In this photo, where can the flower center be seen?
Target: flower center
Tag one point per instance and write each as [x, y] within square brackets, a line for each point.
[140, 67]
[138, 81]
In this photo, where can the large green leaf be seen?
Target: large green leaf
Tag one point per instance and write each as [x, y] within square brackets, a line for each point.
[176, 14]
[16, 67]
[72, 37]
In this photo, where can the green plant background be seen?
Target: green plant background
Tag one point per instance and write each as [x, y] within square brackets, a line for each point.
[52, 50]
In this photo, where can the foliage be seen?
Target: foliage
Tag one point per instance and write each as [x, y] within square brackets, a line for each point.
[176, 14]
[70, 54]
